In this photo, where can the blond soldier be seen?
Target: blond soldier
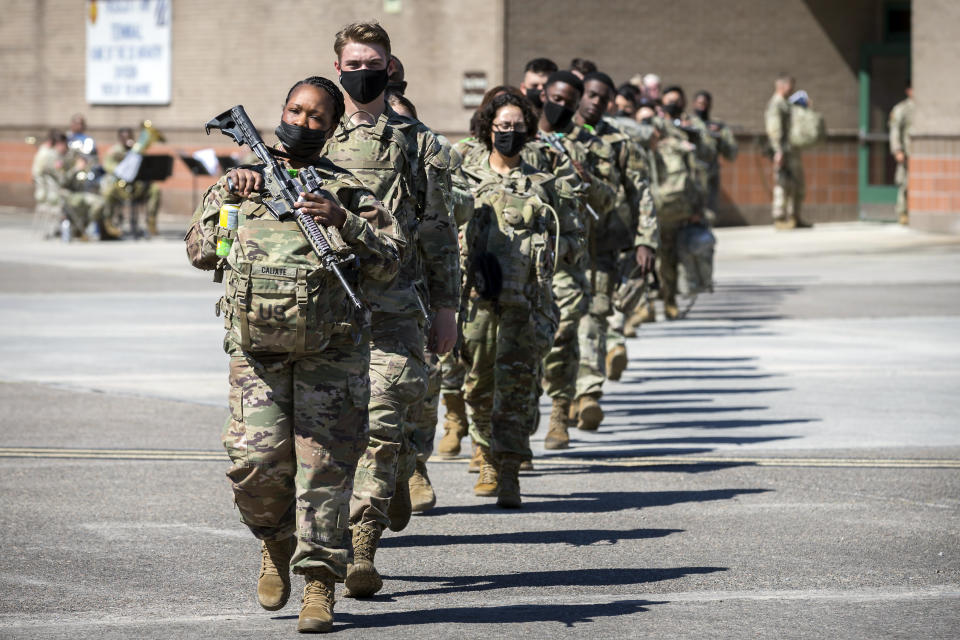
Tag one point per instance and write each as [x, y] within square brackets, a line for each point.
[403, 164]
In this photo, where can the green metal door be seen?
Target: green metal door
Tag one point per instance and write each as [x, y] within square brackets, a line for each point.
[884, 73]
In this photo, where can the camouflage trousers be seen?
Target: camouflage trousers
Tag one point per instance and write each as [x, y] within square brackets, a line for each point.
[146, 192]
[789, 187]
[296, 430]
[667, 255]
[501, 352]
[421, 429]
[570, 291]
[82, 208]
[901, 179]
[398, 383]
[592, 332]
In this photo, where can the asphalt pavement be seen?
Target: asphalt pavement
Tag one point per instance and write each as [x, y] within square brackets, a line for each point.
[784, 462]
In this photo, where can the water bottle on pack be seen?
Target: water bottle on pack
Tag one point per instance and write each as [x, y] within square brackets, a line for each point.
[229, 219]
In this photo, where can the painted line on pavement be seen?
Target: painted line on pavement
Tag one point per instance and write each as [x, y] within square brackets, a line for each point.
[639, 461]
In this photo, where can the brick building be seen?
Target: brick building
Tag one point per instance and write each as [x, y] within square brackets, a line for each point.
[852, 57]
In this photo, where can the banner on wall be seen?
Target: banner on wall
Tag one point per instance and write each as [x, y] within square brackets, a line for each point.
[128, 51]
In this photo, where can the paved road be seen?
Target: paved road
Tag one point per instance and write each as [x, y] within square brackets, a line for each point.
[785, 462]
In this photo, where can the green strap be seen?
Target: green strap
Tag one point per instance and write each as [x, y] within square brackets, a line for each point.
[302, 307]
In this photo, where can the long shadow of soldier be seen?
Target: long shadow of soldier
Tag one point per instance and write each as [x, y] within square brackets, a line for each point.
[566, 614]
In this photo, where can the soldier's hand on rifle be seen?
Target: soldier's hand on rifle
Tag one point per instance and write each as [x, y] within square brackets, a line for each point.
[581, 171]
[443, 331]
[645, 259]
[778, 159]
[900, 157]
[245, 182]
[325, 212]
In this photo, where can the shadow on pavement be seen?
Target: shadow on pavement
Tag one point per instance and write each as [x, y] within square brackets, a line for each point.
[574, 537]
[560, 578]
[567, 614]
[597, 502]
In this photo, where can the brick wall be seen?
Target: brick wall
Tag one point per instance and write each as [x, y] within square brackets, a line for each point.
[830, 171]
[934, 188]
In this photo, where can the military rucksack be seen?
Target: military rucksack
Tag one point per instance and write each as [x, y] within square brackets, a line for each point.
[807, 127]
[509, 228]
[676, 188]
[695, 248]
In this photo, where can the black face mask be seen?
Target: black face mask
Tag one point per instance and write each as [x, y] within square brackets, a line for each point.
[648, 120]
[364, 85]
[673, 109]
[557, 115]
[702, 114]
[302, 143]
[509, 143]
[533, 95]
[622, 114]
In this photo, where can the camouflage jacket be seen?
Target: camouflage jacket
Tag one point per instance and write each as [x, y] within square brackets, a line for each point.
[569, 188]
[777, 122]
[403, 164]
[635, 219]
[279, 298]
[901, 121]
[515, 222]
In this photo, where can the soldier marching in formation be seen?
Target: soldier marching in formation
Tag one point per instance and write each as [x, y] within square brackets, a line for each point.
[489, 271]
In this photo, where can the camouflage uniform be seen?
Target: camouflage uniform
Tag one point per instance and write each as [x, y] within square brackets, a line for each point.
[116, 192]
[678, 197]
[789, 188]
[901, 121]
[444, 372]
[630, 222]
[402, 162]
[512, 221]
[571, 288]
[298, 375]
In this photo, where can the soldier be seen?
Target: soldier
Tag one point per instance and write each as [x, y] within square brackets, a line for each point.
[651, 87]
[509, 254]
[571, 288]
[901, 121]
[630, 226]
[78, 140]
[724, 139]
[535, 74]
[299, 357]
[580, 67]
[452, 370]
[403, 164]
[116, 192]
[788, 189]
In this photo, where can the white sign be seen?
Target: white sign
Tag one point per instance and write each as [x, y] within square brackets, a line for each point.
[128, 51]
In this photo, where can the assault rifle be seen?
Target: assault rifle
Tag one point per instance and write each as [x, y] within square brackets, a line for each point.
[286, 191]
[553, 139]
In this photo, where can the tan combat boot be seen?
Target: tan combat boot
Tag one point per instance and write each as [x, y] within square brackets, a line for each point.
[670, 309]
[363, 580]
[526, 465]
[487, 482]
[645, 313]
[616, 362]
[591, 415]
[476, 460]
[508, 488]
[273, 584]
[399, 509]
[904, 219]
[422, 496]
[454, 425]
[557, 436]
[316, 612]
[785, 224]
[152, 226]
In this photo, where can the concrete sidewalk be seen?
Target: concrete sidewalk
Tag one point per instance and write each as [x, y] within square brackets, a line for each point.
[783, 463]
